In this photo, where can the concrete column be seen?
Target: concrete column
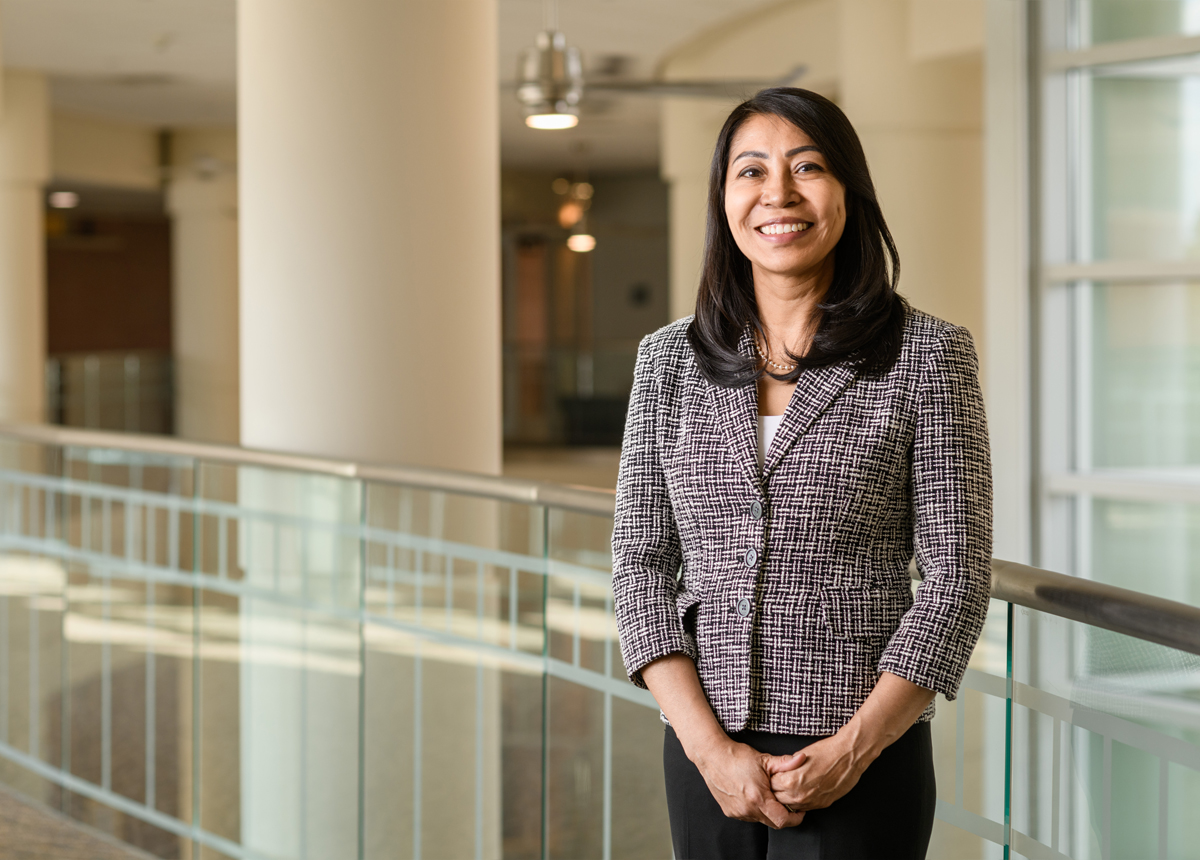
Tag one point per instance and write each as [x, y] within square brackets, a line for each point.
[24, 170]
[202, 200]
[369, 170]
[369, 312]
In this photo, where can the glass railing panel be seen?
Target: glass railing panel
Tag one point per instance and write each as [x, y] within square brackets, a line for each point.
[289, 614]
[605, 739]
[579, 631]
[576, 758]
[215, 702]
[453, 642]
[639, 802]
[1106, 743]
[969, 752]
[32, 610]
[113, 627]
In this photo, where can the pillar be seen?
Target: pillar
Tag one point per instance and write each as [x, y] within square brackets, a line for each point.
[369, 204]
[369, 309]
[202, 201]
[24, 170]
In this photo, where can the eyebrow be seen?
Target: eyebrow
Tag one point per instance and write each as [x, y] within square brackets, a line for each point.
[752, 153]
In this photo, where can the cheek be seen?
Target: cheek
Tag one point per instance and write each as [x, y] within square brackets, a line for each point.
[735, 212]
[836, 208]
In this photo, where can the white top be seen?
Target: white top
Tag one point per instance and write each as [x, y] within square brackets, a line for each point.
[767, 425]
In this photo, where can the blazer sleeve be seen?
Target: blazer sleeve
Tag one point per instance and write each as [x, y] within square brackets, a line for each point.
[646, 551]
[952, 522]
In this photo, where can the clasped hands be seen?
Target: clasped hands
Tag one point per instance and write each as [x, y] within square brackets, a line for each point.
[778, 790]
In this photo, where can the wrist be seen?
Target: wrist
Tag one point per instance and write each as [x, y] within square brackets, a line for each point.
[865, 741]
[705, 744]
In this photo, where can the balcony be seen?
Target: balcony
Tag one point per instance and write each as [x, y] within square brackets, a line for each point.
[215, 652]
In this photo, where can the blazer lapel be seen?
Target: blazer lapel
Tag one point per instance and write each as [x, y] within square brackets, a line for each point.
[815, 391]
[737, 414]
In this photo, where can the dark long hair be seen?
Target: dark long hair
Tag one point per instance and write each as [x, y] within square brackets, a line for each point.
[862, 315]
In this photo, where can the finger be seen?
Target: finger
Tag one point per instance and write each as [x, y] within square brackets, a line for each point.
[782, 763]
[779, 816]
[788, 796]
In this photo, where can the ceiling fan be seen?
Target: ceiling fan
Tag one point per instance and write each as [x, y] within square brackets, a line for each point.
[550, 82]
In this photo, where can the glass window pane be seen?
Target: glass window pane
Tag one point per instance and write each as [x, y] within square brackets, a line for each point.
[1147, 547]
[1115, 20]
[1146, 375]
[1145, 195]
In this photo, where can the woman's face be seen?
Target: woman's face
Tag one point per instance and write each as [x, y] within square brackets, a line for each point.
[786, 209]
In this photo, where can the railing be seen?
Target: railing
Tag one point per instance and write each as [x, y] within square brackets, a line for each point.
[215, 652]
[114, 390]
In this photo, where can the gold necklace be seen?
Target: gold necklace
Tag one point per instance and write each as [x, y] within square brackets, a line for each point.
[784, 368]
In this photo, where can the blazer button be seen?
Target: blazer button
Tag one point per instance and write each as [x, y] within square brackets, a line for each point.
[751, 557]
[743, 607]
[756, 510]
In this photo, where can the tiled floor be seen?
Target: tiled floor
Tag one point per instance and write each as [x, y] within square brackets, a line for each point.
[32, 832]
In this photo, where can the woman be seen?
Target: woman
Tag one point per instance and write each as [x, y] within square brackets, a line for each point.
[761, 578]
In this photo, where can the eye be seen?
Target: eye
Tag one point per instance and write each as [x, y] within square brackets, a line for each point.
[809, 167]
[750, 172]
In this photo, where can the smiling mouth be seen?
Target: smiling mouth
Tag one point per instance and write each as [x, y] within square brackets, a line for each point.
[779, 229]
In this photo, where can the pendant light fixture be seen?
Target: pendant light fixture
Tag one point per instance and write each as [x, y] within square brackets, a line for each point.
[551, 78]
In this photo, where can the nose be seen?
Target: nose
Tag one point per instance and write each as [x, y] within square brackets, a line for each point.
[780, 191]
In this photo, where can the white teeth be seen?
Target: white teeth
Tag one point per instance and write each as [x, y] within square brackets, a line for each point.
[777, 229]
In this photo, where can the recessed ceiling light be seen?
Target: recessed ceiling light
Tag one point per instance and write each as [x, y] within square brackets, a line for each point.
[63, 199]
[581, 243]
[552, 120]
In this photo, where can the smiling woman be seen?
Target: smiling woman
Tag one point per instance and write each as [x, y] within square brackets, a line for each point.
[793, 665]
[816, 183]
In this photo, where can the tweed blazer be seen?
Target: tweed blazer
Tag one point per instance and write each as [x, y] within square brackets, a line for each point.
[788, 584]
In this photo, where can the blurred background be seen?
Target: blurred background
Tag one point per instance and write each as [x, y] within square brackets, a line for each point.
[432, 235]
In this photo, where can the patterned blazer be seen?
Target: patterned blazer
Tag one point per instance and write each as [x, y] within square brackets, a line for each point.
[794, 593]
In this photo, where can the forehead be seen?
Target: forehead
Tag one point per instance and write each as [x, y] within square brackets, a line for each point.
[767, 133]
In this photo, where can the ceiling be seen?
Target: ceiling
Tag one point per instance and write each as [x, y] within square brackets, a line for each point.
[174, 63]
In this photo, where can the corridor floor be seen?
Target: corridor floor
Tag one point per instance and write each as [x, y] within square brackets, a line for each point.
[31, 832]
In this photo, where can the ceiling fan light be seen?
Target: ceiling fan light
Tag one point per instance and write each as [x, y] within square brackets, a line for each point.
[552, 121]
[550, 82]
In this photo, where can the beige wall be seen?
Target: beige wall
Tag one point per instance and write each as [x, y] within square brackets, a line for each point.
[202, 201]
[908, 73]
[765, 45]
[24, 170]
[104, 152]
[921, 126]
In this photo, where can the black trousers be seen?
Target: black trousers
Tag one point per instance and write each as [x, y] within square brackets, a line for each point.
[888, 814]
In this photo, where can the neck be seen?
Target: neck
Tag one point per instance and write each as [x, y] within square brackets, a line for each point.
[788, 306]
